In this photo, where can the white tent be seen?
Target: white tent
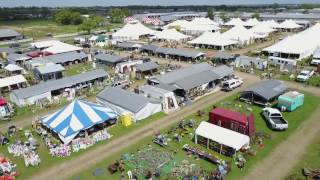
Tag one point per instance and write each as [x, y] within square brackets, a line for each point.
[55, 47]
[170, 35]
[177, 23]
[213, 39]
[235, 22]
[13, 67]
[222, 135]
[132, 31]
[299, 46]
[251, 22]
[270, 23]
[203, 21]
[289, 24]
[199, 29]
[240, 34]
[262, 30]
[12, 80]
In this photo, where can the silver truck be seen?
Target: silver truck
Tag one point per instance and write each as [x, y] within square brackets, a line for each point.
[274, 119]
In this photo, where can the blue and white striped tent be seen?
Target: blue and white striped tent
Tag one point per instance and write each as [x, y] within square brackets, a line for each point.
[78, 115]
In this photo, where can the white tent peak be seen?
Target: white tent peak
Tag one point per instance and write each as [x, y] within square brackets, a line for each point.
[234, 22]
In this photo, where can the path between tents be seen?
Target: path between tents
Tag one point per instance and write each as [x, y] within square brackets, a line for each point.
[94, 156]
[279, 163]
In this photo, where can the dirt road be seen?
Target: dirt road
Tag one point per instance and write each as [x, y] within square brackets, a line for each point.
[285, 156]
[94, 156]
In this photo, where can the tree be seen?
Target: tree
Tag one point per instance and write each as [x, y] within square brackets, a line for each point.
[210, 13]
[255, 15]
[223, 16]
[67, 17]
[88, 25]
[117, 14]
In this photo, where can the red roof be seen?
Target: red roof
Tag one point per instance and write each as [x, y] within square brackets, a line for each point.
[236, 116]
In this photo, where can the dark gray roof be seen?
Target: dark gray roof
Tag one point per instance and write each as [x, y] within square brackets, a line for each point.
[8, 50]
[188, 78]
[186, 53]
[147, 66]
[166, 87]
[17, 57]
[268, 89]
[66, 57]
[223, 71]
[50, 69]
[149, 47]
[59, 84]
[223, 55]
[4, 33]
[162, 50]
[124, 99]
[109, 58]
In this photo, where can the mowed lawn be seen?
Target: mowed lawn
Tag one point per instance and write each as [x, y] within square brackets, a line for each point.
[311, 159]
[48, 161]
[294, 118]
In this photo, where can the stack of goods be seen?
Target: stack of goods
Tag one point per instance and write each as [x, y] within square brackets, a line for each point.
[25, 150]
[84, 143]
[61, 151]
[7, 169]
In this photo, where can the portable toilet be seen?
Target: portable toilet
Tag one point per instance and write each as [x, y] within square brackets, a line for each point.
[290, 100]
[126, 119]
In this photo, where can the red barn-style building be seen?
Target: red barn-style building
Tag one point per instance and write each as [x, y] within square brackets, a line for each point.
[233, 120]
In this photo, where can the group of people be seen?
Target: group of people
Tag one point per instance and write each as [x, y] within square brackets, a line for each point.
[7, 168]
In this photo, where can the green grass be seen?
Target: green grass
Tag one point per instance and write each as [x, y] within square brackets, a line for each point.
[77, 69]
[311, 159]
[47, 161]
[295, 119]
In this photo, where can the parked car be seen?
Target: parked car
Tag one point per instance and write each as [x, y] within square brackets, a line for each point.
[274, 119]
[231, 84]
[315, 61]
[304, 75]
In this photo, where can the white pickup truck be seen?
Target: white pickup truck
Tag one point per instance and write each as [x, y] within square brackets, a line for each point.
[304, 75]
[274, 119]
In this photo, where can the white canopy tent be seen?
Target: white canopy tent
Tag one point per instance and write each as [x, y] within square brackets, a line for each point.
[13, 67]
[296, 47]
[251, 22]
[262, 30]
[12, 80]
[213, 39]
[240, 34]
[170, 35]
[222, 135]
[177, 23]
[203, 21]
[55, 47]
[289, 24]
[132, 31]
[270, 23]
[235, 22]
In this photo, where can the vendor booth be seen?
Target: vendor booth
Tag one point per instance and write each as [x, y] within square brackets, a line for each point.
[220, 139]
[77, 116]
[290, 100]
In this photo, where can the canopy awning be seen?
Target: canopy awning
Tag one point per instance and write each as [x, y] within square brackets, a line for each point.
[222, 135]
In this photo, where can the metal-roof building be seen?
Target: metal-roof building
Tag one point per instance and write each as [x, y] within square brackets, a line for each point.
[109, 59]
[67, 57]
[9, 34]
[126, 102]
[147, 66]
[264, 92]
[32, 94]
[49, 72]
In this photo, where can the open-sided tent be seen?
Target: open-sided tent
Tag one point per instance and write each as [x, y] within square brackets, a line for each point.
[289, 24]
[178, 23]
[201, 28]
[234, 22]
[203, 21]
[132, 31]
[170, 35]
[222, 136]
[270, 23]
[75, 117]
[240, 34]
[213, 39]
[262, 29]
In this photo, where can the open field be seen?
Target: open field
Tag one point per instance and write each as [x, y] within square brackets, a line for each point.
[294, 118]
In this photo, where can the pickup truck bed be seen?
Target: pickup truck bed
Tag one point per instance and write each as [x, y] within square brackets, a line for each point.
[278, 120]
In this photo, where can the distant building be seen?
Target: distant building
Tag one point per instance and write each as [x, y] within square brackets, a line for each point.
[9, 34]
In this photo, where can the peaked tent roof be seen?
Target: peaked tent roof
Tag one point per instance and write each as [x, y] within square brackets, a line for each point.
[289, 24]
[235, 22]
[214, 39]
[78, 115]
[262, 28]
[13, 67]
[239, 33]
[133, 31]
[180, 23]
[203, 21]
[170, 35]
[251, 22]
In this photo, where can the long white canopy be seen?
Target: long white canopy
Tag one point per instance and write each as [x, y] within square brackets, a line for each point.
[177, 23]
[240, 34]
[170, 35]
[289, 24]
[222, 135]
[203, 21]
[132, 31]
[251, 22]
[213, 39]
[303, 43]
[12, 80]
[235, 22]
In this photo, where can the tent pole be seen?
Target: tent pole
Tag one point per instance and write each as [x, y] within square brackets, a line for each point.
[207, 143]
[220, 148]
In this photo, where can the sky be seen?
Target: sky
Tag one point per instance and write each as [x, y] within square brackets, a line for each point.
[64, 3]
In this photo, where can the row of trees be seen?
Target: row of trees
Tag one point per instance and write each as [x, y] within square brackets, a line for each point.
[117, 14]
[67, 17]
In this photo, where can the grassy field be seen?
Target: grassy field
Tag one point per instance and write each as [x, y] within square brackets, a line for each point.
[47, 161]
[311, 159]
[294, 118]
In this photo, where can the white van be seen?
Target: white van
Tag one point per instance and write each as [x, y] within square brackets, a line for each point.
[231, 84]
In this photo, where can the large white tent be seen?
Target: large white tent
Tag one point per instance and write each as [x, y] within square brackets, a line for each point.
[240, 34]
[55, 47]
[262, 30]
[235, 22]
[177, 23]
[251, 22]
[222, 135]
[212, 39]
[170, 35]
[289, 24]
[295, 47]
[203, 21]
[132, 31]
